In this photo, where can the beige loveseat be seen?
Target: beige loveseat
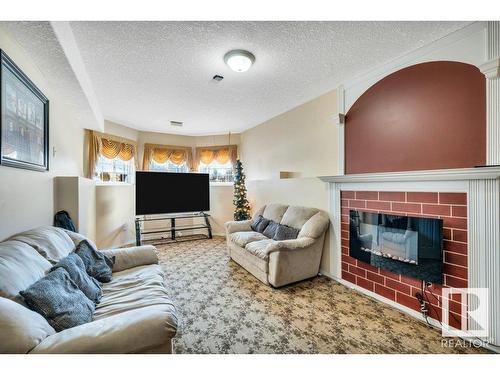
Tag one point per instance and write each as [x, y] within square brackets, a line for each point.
[135, 314]
[280, 262]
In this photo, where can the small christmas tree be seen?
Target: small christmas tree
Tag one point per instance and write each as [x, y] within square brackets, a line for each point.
[242, 207]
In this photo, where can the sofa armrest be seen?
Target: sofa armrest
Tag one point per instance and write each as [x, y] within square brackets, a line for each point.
[238, 226]
[130, 257]
[133, 331]
[296, 244]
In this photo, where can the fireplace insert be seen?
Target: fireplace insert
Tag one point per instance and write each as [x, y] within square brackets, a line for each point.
[405, 245]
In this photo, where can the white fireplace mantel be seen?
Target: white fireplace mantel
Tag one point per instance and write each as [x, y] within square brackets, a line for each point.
[459, 174]
[482, 186]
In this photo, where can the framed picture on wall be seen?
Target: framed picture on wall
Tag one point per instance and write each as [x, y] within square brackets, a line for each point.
[24, 120]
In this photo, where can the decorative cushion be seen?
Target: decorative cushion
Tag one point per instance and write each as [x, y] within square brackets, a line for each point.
[20, 266]
[285, 233]
[24, 328]
[270, 230]
[262, 225]
[52, 243]
[75, 267]
[96, 263]
[243, 238]
[255, 222]
[57, 298]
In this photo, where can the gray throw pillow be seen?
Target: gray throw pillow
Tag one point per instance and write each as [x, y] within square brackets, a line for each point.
[57, 298]
[284, 232]
[262, 225]
[270, 230]
[255, 222]
[75, 267]
[96, 263]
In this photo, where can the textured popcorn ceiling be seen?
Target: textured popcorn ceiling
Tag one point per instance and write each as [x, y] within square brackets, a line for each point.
[41, 44]
[145, 74]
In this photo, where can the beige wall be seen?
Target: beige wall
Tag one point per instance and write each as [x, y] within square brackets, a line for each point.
[115, 210]
[302, 141]
[27, 197]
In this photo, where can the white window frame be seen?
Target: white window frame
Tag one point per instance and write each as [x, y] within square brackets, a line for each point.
[115, 166]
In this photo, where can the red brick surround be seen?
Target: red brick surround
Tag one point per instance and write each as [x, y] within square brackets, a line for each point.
[451, 207]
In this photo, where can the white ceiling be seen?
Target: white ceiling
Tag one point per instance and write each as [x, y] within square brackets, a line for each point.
[145, 74]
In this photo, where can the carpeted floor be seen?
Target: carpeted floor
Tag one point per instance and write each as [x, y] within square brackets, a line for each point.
[224, 309]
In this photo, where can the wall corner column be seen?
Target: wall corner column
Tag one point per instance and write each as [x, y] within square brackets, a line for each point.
[491, 69]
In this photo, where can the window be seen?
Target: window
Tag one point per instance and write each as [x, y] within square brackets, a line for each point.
[164, 158]
[114, 170]
[168, 166]
[111, 158]
[218, 172]
[217, 161]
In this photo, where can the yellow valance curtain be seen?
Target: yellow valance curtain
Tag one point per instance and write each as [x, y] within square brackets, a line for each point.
[163, 153]
[220, 154]
[110, 147]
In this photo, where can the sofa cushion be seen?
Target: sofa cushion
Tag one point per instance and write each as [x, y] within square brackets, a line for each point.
[24, 328]
[296, 216]
[96, 263]
[20, 267]
[274, 211]
[57, 298]
[136, 331]
[132, 289]
[52, 243]
[73, 264]
[270, 230]
[258, 248]
[315, 226]
[243, 238]
[284, 232]
[130, 257]
[78, 237]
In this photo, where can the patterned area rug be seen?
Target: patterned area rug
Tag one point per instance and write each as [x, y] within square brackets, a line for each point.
[224, 309]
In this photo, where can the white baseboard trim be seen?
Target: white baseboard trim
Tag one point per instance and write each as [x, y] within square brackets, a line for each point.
[402, 308]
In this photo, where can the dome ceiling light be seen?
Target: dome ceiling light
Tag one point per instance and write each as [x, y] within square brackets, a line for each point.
[239, 60]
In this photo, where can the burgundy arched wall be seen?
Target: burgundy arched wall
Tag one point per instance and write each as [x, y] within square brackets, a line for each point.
[426, 116]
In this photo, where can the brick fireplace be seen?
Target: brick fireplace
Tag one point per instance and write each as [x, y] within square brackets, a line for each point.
[468, 202]
[451, 207]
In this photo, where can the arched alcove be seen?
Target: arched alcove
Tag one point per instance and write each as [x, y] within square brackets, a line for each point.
[426, 116]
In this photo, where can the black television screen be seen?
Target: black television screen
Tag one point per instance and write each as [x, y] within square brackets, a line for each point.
[168, 193]
[405, 245]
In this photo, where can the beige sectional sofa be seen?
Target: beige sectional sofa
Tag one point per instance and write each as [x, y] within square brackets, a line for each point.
[280, 262]
[135, 314]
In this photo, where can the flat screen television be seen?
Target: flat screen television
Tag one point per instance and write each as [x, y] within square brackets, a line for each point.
[406, 245]
[168, 193]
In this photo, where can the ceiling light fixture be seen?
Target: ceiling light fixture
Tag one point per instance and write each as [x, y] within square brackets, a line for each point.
[239, 60]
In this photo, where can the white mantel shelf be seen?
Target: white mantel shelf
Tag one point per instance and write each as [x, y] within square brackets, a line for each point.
[459, 174]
